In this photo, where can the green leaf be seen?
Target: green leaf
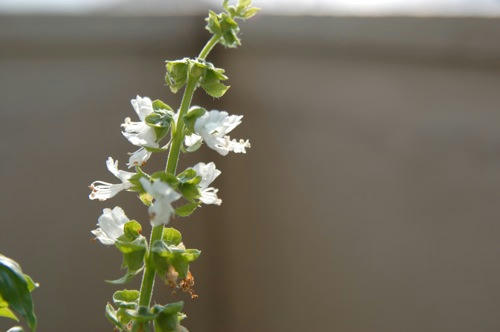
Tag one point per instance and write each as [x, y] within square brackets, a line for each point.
[127, 298]
[177, 73]
[171, 236]
[5, 311]
[15, 290]
[160, 105]
[186, 209]
[212, 85]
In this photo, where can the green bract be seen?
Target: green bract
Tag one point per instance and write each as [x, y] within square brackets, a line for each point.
[15, 289]
[169, 251]
[206, 74]
[133, 246]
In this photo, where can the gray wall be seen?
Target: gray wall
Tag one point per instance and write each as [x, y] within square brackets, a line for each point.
[367, 202]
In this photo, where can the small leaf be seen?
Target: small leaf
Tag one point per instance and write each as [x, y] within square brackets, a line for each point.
[186, 209]
[171, 236]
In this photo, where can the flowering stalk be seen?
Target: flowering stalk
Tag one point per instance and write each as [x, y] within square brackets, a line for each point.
[165, 255]
[173, 157]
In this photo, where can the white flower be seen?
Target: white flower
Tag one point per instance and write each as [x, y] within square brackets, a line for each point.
[208, 173]
[213, 127]
[110, 225]
[139, 133]
[103, 190]
[161, 209]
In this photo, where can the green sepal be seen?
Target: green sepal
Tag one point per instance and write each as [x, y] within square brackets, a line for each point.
[140, 315]
[212, 85]
[191, 116]
[193, 147]
[189, 191]
[170, 179]
[162, 149]
[168, 317]
[189, 176]
[126, 298]
[135, 180]
[171, 236]
[160, 105]
[15, 289]
[146, 198]
[177, 73]
[133, 246]
[175, 255]
[112, 316]
[186, 209]
[160, 120]
[132, 229]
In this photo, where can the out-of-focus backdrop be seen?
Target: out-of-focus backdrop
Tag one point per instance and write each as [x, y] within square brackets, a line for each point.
[368, 201]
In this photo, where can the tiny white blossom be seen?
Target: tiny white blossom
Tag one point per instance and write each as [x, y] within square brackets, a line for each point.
[139, 133]
[213, 127]
[161, 209]
[103, 190]
[110, 224]
[208, 173]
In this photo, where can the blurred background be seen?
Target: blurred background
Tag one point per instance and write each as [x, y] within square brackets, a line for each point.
[368, 201]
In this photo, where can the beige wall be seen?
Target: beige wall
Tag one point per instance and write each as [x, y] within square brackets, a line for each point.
[367, 202]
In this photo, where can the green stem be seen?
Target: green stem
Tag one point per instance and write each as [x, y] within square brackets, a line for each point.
[208, 47]
[148, 276]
